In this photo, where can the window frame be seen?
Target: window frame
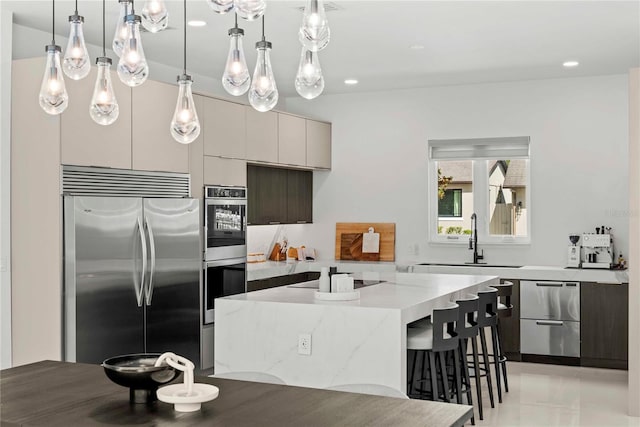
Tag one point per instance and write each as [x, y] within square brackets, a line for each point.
[481, 205]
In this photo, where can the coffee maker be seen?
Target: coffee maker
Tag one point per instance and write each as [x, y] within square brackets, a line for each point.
[573, 252]
[597, 250]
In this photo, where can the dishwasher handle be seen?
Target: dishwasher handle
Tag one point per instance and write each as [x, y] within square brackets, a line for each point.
[550, 284]
[549, 322]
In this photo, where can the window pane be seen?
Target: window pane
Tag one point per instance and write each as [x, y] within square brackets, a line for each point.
[508, 197]
[455, 196]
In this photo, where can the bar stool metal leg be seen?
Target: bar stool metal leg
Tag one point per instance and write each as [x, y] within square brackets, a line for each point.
[476, 371]
[487, 365]
[496, 361]
[503, 361]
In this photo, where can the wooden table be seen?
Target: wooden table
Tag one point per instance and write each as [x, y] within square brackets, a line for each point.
[73, 394]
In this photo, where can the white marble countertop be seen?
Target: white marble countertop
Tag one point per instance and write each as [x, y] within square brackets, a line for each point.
[269, 269]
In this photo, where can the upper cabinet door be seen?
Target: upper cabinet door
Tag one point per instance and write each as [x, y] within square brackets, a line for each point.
[224, 126]
[153, 146]
[86, 143]
[318, 144]
[262, 135]
[292, 140]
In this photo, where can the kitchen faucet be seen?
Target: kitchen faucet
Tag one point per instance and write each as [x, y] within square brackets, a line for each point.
[473, 240]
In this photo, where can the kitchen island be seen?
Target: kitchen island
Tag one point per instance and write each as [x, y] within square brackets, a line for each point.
[352, 342]
[74, 394]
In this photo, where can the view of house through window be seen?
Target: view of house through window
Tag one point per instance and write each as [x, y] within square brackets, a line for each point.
[455, 196]
[508, 197]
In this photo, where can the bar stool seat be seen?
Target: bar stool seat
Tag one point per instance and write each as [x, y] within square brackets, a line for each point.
[422, 338]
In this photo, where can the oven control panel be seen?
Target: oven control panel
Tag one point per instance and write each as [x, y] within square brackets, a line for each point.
[226, 192]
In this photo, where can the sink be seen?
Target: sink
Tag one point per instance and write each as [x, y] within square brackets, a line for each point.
[357, 283]
[471, 265]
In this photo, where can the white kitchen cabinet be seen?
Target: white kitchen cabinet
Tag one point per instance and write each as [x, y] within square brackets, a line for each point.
[153, 147]
[221, 171]
[292, 140]
[224, 126]
[318, 144]
[262, 135]
[86, 143]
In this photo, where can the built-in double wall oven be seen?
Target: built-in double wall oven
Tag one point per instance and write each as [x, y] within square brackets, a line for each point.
[225, 245]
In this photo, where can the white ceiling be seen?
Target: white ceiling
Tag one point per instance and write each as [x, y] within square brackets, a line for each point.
[464, 41]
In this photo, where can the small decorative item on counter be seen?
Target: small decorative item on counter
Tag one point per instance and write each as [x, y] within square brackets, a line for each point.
[309, 254]
[325, 282]
[256, 257]
[277, 254]
[189, 396]
[622, 263]
[301, 253]
[371, 242]
[344, 284]
[292, 254]
[334, 281]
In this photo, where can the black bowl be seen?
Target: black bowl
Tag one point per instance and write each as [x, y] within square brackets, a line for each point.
[574, 238]
[138, 373]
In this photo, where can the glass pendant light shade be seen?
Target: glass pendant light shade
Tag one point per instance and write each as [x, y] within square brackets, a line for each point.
[250, 9]
[133, 69]
[121, 28]
[53, 93]
[309, 80]
[104, 108]
[76, 62]
[314, 33]
[155, 16]
[263, 95]
[185, 126]
[236, 79]
[220, 6]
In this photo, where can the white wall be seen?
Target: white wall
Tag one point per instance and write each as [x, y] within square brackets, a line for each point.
[579, 172]
[5, 187]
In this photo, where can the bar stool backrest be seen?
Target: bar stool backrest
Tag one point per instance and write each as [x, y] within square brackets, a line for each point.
[505, 290]
[488, 307]
[445, 319]
[467, 326]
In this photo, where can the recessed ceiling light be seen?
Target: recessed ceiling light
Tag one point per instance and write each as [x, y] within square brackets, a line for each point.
[196, 23]
[569, 64]
[351, 82]
[416, 47]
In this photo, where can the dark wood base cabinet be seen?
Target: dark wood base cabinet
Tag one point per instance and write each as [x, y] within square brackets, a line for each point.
[604, 318]
[274, 282]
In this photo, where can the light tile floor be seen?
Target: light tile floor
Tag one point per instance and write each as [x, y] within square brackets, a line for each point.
[552, 395]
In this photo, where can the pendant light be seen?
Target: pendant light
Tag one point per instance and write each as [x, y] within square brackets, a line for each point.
[76, 62]
[220, 6]
[155, 16]
[314, 33]
[53, 93]
[133, 69]
[121, 27]
[263, 95]
[236, 79]
[185, 126]
[104, 108]
[309, 81]
[250, 9]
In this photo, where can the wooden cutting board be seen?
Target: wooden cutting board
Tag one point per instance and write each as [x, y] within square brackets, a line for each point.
[349, 241]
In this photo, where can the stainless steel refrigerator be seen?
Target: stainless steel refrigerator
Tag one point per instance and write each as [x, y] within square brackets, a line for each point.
[131, 277]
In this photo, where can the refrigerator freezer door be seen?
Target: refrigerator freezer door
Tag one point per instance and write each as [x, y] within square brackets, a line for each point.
[103, 271]
[172, 290]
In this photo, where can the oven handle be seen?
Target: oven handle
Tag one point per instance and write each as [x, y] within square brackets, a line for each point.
[223, 262]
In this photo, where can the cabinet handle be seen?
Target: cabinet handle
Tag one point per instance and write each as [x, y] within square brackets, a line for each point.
[550, 284]
[549, 322]
[301, 222]
[274, 222]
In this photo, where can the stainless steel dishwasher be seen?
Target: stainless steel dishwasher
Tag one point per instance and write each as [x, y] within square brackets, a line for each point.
[550, 318]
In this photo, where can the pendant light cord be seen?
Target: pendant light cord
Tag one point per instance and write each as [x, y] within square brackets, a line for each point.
[53, 23]
[263, 39]
[236, 15]
[184, 50]
[104, 52]
[76, 7]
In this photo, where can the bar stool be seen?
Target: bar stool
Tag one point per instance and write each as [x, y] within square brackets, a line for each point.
[434, 341]
[488, 318]
[467, 328]
[505, 310]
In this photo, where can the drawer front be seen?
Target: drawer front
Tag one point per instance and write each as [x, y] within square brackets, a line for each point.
[550, 337]
[550, 300]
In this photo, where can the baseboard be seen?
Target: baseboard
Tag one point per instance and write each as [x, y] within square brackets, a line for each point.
[604, 363]
[513, 357]
[552, 360]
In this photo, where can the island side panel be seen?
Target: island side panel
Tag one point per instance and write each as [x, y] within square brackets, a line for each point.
[349, 345]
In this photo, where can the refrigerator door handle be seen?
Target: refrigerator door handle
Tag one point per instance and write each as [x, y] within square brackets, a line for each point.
[152, 248]
[139, 286]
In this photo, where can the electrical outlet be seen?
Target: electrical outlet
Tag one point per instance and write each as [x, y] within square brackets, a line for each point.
[304, 344]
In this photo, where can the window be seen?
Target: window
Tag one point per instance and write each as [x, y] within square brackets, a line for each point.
[488, 177]
[451, 204]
